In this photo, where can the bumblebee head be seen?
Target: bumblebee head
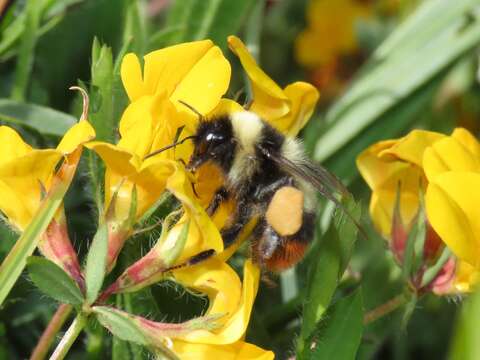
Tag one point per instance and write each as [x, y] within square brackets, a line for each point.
[214, 142]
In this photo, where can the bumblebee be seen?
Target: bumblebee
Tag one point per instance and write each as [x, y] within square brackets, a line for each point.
[269, 177]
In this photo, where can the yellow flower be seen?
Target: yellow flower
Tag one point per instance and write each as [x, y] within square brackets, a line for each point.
[442, 166]
[452, 166]
[331, 31]
[150, 123]
[196, 73]
[27, 175]
[287, 109]
[229, 298]
[395, 165]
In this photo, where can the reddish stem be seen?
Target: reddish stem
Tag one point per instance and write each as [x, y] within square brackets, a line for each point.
[51, 331]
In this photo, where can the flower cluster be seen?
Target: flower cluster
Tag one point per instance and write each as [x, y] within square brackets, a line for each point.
[196, 74]
[441, 172]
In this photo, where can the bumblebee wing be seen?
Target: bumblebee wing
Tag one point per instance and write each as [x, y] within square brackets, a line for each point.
[323, 181]
[320, 178]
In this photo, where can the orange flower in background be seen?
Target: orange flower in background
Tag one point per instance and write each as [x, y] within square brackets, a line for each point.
[329, 38]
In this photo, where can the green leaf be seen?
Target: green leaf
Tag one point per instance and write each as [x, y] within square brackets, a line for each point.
[101, 112]
[321, 283]
[347, 230]
[15, 261]
[206, 19]
[96, 263]
[340, 332]
[12, 33]
[331, 255]
[415, 236]
[134, 33]
[53, 281]
[120, 324]
[26, 53]
[437, 35]
[124, 350]
[42, 119]
[466, 344]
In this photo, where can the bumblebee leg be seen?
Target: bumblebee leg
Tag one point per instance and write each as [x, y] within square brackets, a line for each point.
[262, 192]
[195, 259]
[241, 218]
[220, 196]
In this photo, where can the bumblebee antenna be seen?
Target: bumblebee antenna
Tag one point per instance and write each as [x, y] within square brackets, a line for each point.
[169, 146]
[190, 107]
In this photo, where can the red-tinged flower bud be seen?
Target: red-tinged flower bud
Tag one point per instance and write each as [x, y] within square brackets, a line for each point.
[151, 268]
[140, 274]
[442, 284]
[56, 246]
[147, 332]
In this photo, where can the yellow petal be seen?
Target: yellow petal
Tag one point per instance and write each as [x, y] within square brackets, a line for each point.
[449, 154]
[22, 180]
[151, 182]
[466, 277]
[303, 98]
[408, 180]
[196, 73]
[236, 351]
[165, 130]
[225, 107]
[131, 74]
[203, 234]
[226, 299]
[205, 83]
[374, 169]
[136, 128]
[452, 207]
[269, 99]
[412, 147]
[218, 281]
[116, 159]
[11, 145]
[78, 134]
[120, 164]
[467, 140]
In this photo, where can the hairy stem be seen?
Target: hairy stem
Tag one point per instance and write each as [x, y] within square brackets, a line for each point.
[384, 309]
[69, 338]
[51, 331]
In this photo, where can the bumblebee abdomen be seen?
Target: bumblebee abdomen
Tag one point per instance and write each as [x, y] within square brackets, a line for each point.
[286, 255]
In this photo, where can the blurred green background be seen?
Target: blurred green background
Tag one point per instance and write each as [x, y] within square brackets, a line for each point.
[413, 65]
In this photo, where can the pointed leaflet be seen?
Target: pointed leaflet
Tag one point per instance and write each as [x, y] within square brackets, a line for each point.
[53, 281]
[96, 263]
[340, 332]
[332, 255]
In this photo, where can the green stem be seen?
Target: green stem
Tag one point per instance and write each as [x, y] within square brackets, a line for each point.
[69, 338]
[384, 309]
[51, 331]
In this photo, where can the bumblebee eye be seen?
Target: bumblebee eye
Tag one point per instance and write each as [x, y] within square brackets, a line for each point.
[214, 138]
